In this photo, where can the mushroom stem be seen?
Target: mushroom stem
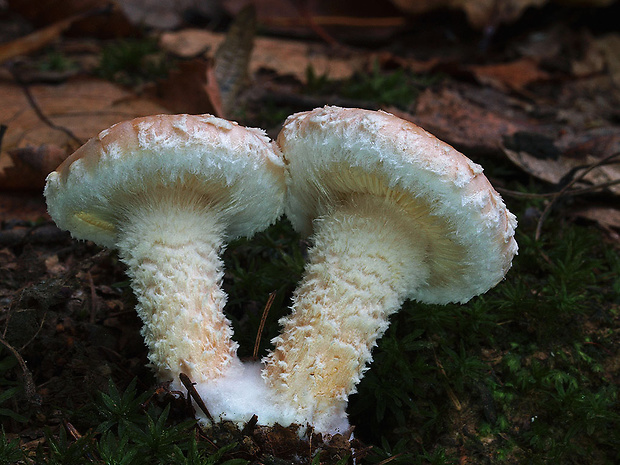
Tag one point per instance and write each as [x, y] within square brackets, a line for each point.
[171, 246]
[360, 271]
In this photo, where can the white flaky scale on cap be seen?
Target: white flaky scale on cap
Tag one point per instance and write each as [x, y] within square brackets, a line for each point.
[394, 214]
[167, 191]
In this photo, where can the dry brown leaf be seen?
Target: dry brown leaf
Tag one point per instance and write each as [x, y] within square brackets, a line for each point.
[191, 88]
[77, 109]
[555, 170]
[462, 122]
[605, 216]
[36, 40]
[27, 206]
[286, 57]
[515, 75]
[27, 167]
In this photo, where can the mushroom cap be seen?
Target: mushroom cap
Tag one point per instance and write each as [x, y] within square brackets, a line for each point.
[334, 152]
[238, 169]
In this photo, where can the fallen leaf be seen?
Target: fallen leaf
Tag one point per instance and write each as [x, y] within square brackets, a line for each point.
[605, 216]
[25, 206]
[27, 167]
[516, 75]
[563, 169]
[36, 40]
[73, 111]
[461, 122]
[286, 57]
[191, 88]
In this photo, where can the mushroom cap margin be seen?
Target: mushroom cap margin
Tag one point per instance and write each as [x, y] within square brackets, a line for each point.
[319, 145]
[239, 166]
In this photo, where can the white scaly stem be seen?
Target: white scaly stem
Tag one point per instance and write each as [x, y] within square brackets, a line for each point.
[360, 270]
[171, 244]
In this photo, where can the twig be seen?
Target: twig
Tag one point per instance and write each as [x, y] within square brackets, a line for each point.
[36, 333]
[580, 191]
[565, 189]
[261, 327]
[389, 459]
[249, 426]
[29, 386]
[191, 390]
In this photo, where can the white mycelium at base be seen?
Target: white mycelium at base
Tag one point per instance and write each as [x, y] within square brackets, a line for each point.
[170, 243]
[360, 271]
[240, 394]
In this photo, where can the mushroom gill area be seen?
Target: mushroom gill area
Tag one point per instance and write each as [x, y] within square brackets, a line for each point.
[445, 256]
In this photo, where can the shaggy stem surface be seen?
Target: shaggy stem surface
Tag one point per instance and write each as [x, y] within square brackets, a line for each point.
[361, 268]
[171, 245]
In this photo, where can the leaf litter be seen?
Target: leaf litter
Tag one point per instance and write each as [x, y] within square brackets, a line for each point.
[544, 99]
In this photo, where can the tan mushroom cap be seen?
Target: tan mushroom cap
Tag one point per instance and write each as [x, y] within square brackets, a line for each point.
[237, 168]
[335, 152]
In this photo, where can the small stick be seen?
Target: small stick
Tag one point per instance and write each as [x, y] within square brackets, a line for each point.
[249, 426]
[565, 189]
[29, 386]
[191, 390]
[261, 327]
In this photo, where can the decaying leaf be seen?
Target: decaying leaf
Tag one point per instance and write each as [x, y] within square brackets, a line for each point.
[562, 168]
[605, 216]
[462, 122]
[73, 112]
[286, 57]
[36, 40]
[27, 167]
[191, 88]
[515, 75]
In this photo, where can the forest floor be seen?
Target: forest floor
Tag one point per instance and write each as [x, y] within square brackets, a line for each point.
[528, 373]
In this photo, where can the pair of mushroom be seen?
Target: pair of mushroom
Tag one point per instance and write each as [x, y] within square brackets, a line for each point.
[394, 214]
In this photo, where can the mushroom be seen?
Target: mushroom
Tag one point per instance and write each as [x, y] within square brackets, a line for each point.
[394, 214]
[167, 191]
